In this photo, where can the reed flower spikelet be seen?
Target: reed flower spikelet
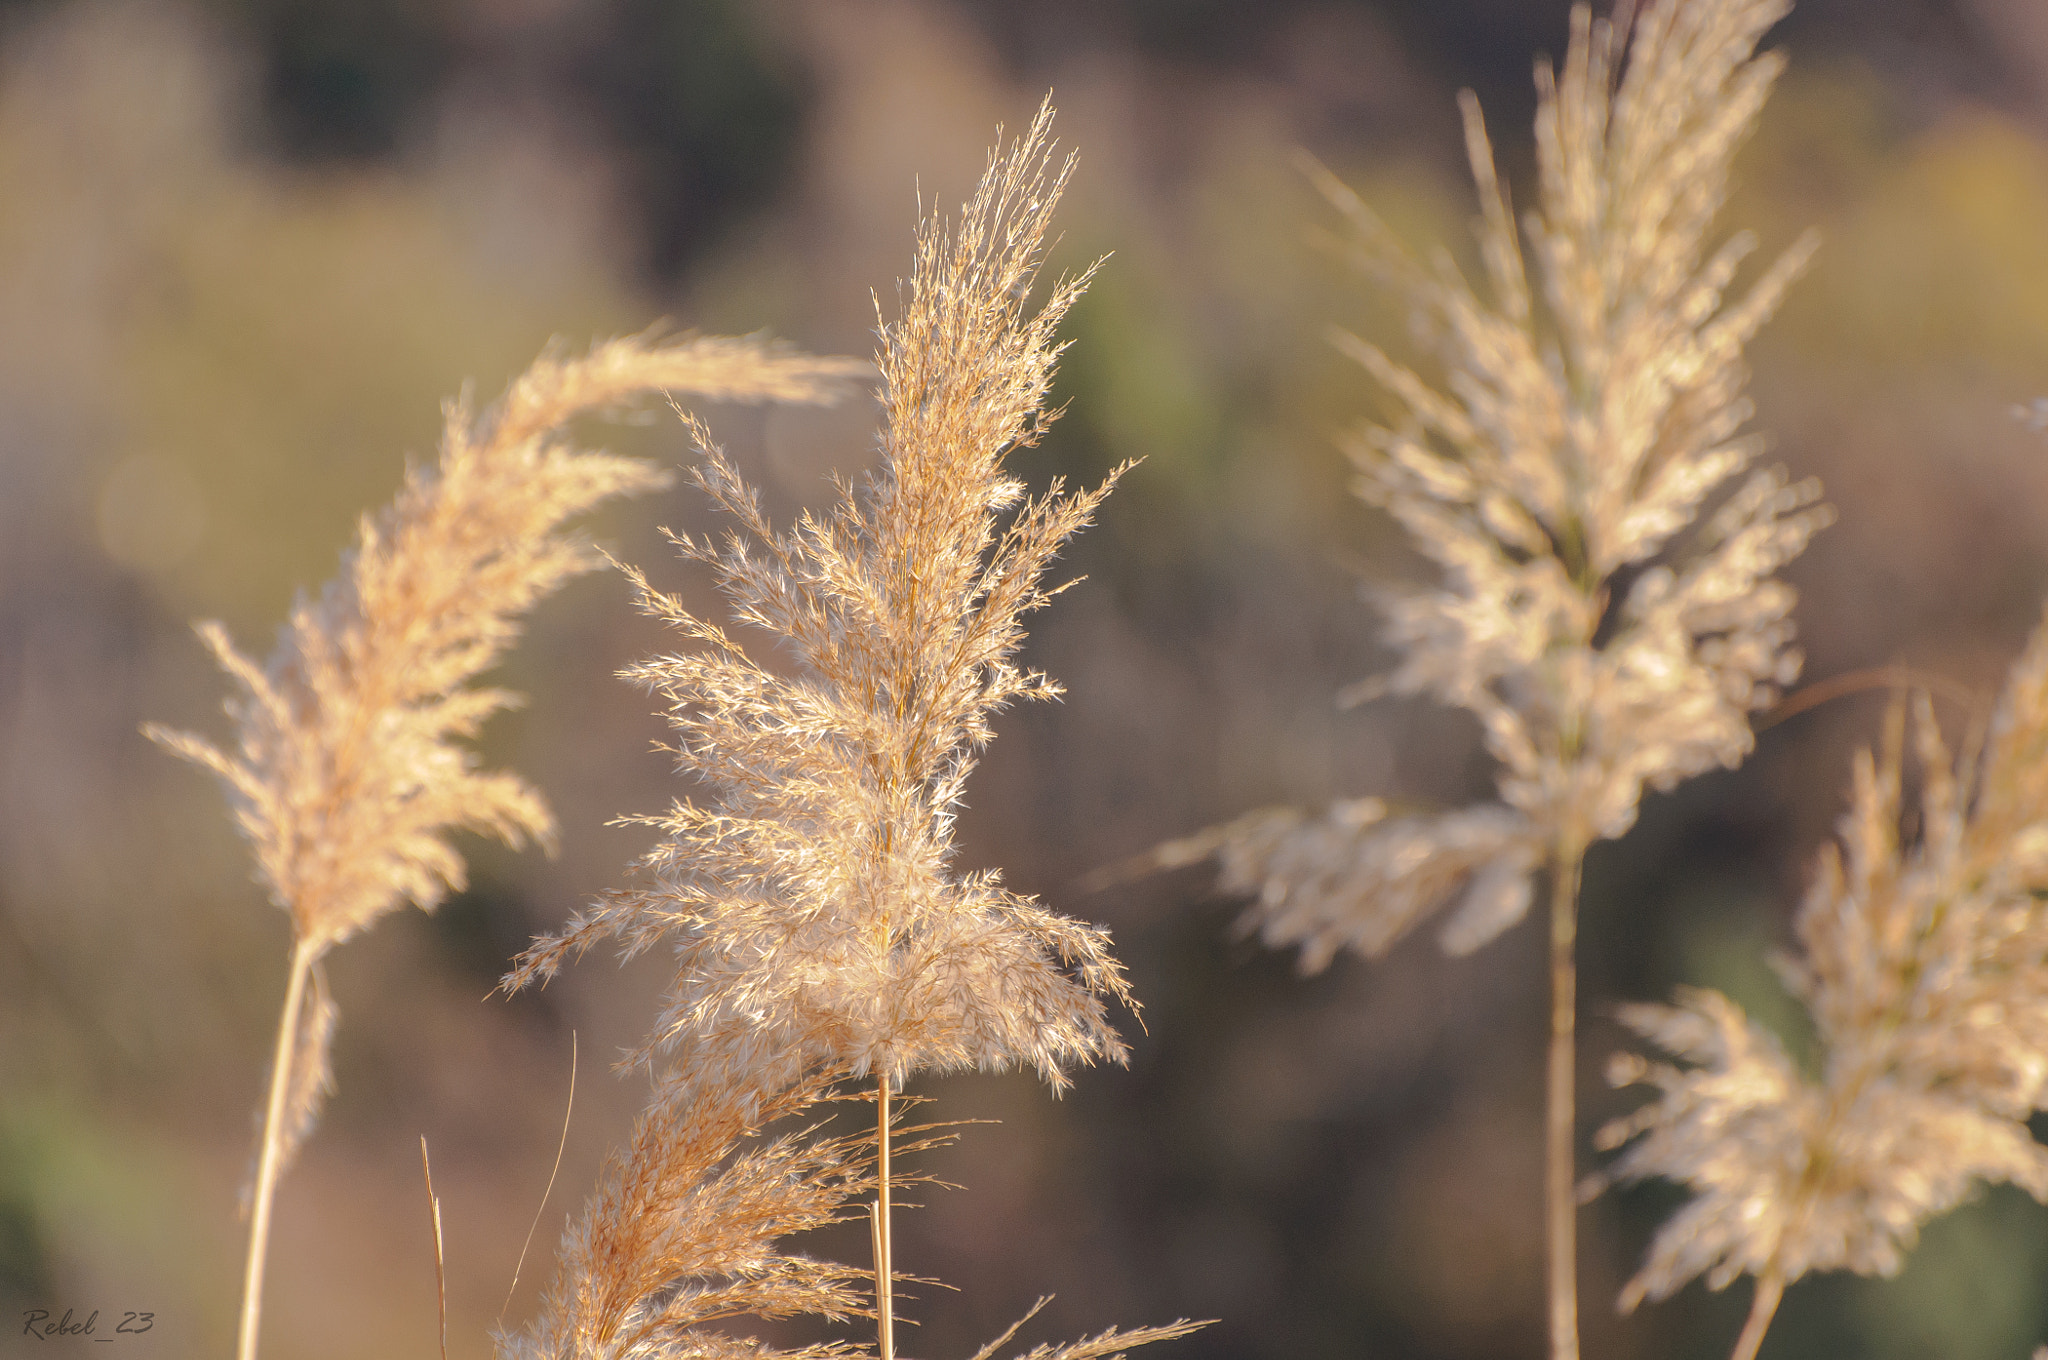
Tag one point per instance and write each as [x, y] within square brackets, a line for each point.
[1605, 604]
[1924, 964]
[812, 901]
[347, 772]
[345, 776]
[1607, 635]
[682, 1232]
[818, 921]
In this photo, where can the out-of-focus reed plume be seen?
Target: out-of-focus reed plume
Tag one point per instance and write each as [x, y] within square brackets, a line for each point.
[1607, 623]
[347, 771]
[1924, 964]
[819, 923]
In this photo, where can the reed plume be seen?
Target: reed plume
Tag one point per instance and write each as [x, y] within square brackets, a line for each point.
[682, 1232]
[819, 923]
[348, 773]
[812, 900]
[1609, 624]
[1923, 962]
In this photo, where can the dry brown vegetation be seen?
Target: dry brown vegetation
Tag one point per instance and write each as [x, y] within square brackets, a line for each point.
[1568, 451]
[822, 932]
[1606, 607]
[347, 776]
[1924, 965]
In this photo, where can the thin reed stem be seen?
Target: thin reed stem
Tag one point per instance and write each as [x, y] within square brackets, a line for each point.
[1560, 1201]
[440, 1253]
[561, 1146]
[885, 1290]
[1769, 1290]
[1897, 677]
[303, 953]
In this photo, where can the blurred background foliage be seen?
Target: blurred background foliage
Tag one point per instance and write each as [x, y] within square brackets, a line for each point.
[247, 247]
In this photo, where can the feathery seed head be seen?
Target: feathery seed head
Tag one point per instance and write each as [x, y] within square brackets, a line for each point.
[347, 777]
[1608, 631]
[348, 770]
[1924, 963]
[821, 929]
[683, 1231]
[812, 899]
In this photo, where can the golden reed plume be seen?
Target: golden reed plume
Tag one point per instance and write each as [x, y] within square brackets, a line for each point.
[820, 927]
[348, 772]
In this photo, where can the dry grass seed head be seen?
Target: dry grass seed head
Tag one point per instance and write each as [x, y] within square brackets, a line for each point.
[811, 895]
[819, 925]
[682, 1230]
[1923, 962]
[348, 772]
[1609, 630]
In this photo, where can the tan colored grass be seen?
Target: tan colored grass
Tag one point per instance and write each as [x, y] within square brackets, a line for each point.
[1923, 962]
[348, 771]
[811, 898]
[345, 775]
[820, 926]
[1572, 462]
[683, 1231]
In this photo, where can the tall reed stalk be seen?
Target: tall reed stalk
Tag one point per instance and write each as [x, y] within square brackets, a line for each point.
[348, 773]
[821, 930]
[885, 1256]
[1606, 603]
[1560, 1103]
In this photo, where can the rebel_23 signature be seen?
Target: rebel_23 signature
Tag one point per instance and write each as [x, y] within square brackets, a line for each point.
[41, 1324]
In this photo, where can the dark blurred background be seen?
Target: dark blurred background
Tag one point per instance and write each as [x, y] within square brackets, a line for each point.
[246, 247]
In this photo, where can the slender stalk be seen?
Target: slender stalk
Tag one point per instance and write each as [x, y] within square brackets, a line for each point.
[885, 1290]
[1769, 1290]
[1560, 1201]
[440, 1255]
[266, 1162]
